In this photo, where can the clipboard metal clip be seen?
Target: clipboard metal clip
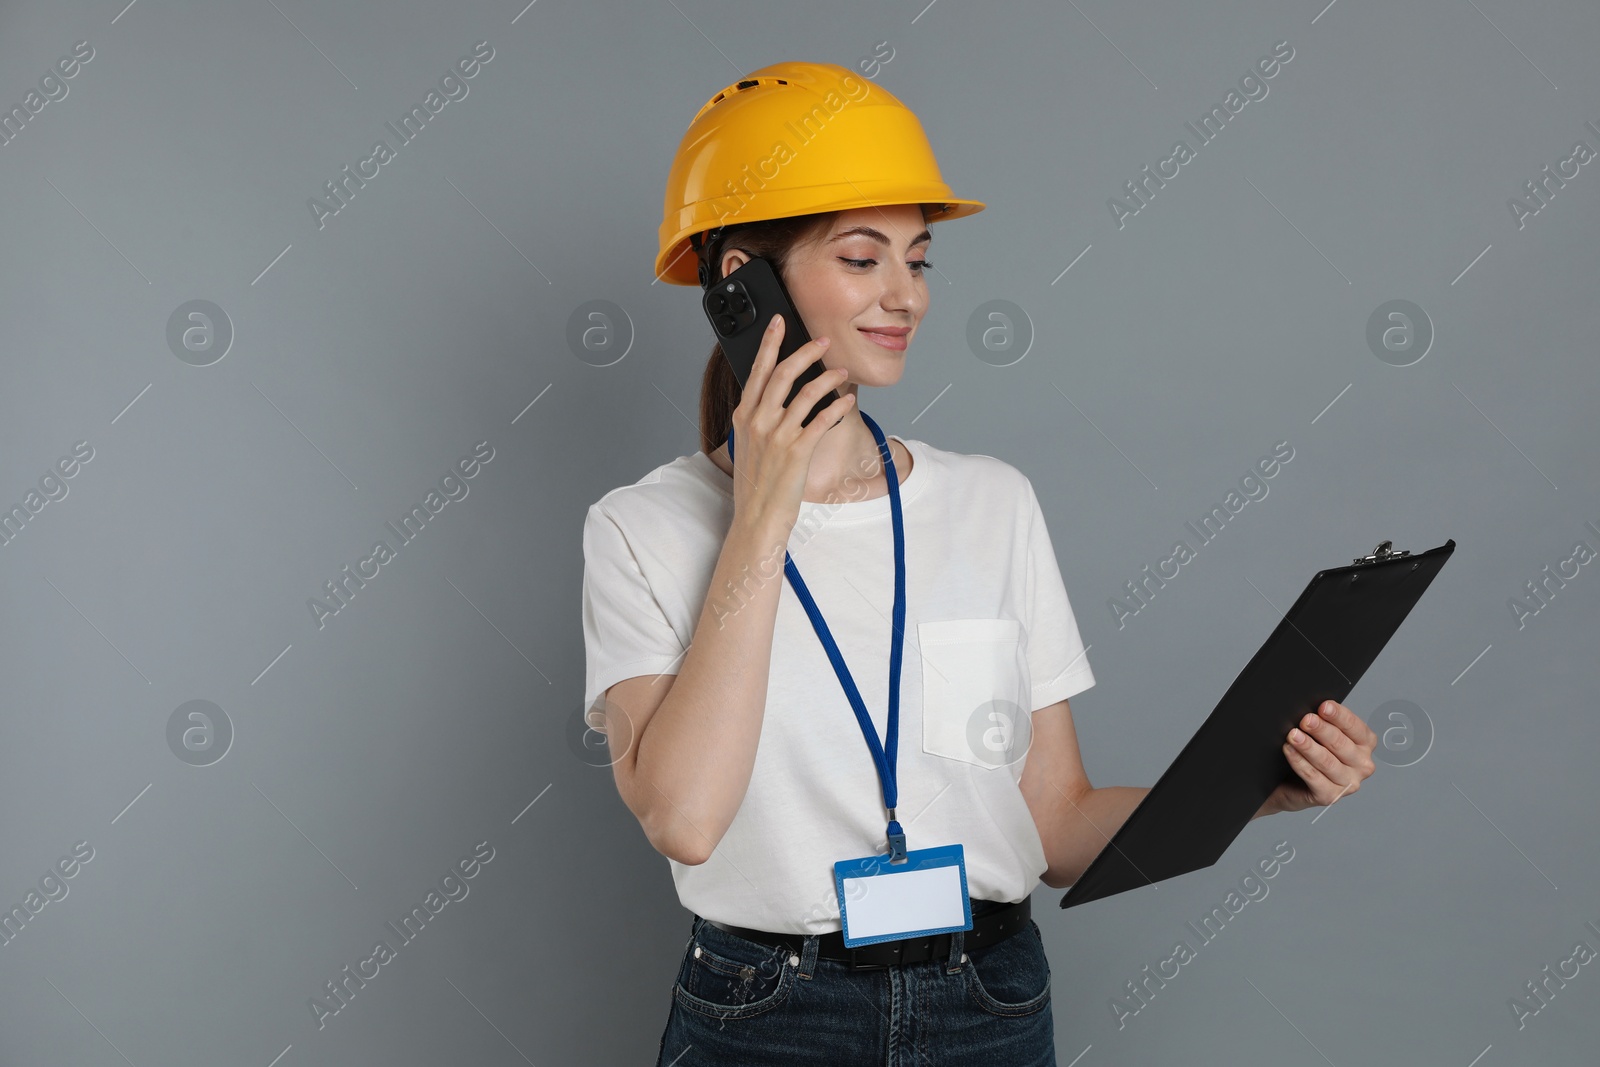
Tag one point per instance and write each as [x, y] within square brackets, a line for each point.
[1382, 552]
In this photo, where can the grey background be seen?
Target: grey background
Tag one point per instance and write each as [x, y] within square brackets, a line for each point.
[436, 711]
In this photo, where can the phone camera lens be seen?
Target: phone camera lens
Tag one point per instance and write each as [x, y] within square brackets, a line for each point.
[727, 324]
[716, 303]
[738, 304]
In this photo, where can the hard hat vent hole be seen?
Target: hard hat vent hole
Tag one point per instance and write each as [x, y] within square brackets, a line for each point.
[748, 83]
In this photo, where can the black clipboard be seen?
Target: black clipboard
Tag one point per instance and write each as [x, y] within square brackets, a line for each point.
[1319, 651]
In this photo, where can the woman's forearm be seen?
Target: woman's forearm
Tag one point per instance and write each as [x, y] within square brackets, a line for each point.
[1084, 825]
[697, 751]
[1080, 827]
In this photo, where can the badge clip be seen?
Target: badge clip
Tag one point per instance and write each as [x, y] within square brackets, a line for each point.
[897, 842]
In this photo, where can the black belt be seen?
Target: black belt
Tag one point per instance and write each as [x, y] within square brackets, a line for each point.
[988, 929]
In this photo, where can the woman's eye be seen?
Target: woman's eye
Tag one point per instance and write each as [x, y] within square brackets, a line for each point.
[918, 265]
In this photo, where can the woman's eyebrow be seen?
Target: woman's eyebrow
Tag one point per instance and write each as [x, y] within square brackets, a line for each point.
[877, 235]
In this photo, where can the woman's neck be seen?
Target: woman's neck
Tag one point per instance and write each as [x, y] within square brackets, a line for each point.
[847, 458]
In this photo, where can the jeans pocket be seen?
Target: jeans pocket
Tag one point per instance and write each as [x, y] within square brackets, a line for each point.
[1013, 977]
[730, 977]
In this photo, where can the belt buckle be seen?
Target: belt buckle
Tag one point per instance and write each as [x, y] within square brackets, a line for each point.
[912, 950]
[857, 965]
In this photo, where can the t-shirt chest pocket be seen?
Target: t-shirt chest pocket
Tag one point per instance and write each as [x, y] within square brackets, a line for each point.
[974, 690]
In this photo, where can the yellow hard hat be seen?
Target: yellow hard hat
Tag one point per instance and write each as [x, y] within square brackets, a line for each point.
[795, 139]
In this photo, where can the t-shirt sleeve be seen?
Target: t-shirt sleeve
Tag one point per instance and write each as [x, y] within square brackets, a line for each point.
[625, 632]
[1057, 662]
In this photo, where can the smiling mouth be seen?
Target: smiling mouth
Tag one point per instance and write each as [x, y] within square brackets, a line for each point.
[895, 342]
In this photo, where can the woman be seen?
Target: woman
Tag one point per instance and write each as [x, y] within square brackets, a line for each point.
[745, 704]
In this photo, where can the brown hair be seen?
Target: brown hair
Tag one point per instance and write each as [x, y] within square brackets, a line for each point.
[773, 240]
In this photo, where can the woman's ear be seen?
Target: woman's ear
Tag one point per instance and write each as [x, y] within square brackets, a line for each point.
[732, 260]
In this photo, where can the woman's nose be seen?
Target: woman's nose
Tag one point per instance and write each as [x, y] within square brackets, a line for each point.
[901, 292]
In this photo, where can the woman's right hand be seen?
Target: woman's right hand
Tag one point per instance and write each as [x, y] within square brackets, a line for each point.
[772, 450]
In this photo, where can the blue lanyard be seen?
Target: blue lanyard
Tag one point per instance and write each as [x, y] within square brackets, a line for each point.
[884, 762]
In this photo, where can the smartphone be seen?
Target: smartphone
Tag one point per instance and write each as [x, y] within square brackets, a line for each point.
[740, 306]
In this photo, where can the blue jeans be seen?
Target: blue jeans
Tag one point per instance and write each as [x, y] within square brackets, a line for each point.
[740, 1003]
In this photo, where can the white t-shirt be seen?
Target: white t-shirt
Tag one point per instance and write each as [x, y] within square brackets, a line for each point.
[989, 634]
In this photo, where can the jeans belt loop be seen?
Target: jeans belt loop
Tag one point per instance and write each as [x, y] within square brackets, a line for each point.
[808, 956]
[956, 954]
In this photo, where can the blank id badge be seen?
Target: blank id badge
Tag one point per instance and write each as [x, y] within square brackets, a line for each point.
[883, 901]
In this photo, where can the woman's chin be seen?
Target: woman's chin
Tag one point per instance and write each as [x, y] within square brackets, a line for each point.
[879, 369]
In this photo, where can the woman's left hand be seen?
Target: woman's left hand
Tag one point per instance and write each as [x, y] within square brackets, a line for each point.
[1332, 756]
